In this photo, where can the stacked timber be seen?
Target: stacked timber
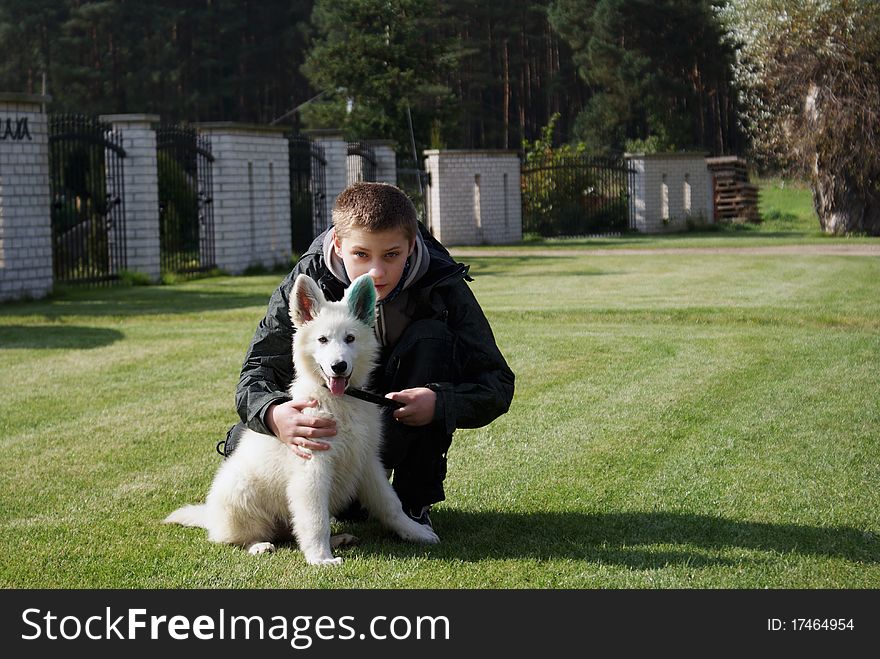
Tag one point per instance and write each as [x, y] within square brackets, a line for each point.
[736, 200]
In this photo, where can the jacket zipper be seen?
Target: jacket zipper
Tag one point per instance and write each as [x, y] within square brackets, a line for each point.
[380, 324]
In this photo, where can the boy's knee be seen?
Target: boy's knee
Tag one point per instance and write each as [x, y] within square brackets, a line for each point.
[420, 483]
[418, 457]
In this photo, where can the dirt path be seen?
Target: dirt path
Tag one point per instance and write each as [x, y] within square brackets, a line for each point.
[781, 250]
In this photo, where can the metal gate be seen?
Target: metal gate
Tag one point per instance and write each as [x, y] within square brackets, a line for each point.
[576, 196]
[361, 162]
[308, 191]
[186, 211]
[414, 181]
[88, 208]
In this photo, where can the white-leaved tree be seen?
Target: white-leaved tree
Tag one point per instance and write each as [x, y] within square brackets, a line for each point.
[809, 71]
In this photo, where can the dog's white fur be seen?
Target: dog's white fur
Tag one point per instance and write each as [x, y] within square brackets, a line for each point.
[263, 490]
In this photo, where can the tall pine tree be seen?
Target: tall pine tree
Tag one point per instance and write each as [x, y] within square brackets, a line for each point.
[659, 72]
[372, 61]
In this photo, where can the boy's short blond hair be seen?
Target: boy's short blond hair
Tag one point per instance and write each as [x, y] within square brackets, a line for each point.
[374, 207]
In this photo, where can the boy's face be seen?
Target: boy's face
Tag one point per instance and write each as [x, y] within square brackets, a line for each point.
[381, 254]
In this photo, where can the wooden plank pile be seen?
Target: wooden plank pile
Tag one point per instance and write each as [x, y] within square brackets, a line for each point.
[736, 200]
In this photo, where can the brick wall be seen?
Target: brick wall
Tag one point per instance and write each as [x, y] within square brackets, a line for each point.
[386, 161]
[668, 190]
[141, 189]
[474, 197]
[251, 195]
[25, 217]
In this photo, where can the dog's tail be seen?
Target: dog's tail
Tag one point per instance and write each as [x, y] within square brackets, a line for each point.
[189, 516]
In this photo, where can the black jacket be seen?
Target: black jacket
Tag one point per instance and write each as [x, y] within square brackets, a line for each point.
[483, 389]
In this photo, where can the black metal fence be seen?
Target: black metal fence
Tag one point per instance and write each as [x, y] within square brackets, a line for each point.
[576, 196]
[88, 208]
[186, 211]
[361, 162]
[308, 191]
[413, 180]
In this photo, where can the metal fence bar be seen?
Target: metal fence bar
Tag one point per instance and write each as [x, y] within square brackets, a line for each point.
[576, 195]
[301, 221]
[88, 210]
[318, 188]
[116, 194]
[308, 191]
[186, 217]
[413, 180]
[205, 161]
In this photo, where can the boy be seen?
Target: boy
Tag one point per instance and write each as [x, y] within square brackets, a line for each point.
[438, 358]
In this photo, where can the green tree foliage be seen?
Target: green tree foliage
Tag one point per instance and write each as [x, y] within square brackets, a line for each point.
[374, 59]
[514, 73]
[565, 191]
[474, 74]
[659, 70]
[483, 75]
[811, 73]
[28, 29]
[201, 60]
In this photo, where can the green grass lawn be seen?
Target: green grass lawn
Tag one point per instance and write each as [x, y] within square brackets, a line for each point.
[705, 421]
[786, 207]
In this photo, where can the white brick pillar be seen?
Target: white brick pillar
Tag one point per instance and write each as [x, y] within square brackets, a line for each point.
[669, 189]
[251, 176]
[25, 198]
[141, 189]
[336, 154]
[386, 161]
[474, 197]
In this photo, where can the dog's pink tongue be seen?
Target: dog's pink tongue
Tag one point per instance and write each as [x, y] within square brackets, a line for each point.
[337, 386]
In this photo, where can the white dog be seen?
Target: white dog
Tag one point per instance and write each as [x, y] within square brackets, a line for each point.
[263, 490]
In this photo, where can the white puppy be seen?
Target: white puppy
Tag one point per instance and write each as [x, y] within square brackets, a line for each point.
[263, 491]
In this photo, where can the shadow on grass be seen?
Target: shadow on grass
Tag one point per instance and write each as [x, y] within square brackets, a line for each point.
[500, 265]
[638, 540]
[50, 337]
[137, 301]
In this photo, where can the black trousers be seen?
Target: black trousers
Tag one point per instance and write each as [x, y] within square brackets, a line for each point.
[416, 455]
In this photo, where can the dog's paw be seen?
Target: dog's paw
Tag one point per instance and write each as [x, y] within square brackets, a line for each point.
[343, 540]
[324, 561]
[420, 533]
[430, 538]
[261, 548]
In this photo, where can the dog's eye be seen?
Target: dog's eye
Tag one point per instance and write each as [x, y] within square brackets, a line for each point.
[322, 339]
[349, 338]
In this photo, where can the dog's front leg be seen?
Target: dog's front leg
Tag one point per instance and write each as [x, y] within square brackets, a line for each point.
[309, 503]
[381, 500]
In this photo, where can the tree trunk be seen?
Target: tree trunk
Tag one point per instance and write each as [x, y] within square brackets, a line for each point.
[842, 208]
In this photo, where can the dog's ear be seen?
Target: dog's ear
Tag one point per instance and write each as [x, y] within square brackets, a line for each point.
[361, 298]
[306, 300]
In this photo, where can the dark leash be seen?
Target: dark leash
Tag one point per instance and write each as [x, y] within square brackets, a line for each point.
[376, 399]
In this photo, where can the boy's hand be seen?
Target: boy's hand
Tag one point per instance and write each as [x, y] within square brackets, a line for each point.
[419, 405]
[288, 423]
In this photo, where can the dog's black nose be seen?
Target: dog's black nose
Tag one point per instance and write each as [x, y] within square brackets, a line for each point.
[339, 367]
